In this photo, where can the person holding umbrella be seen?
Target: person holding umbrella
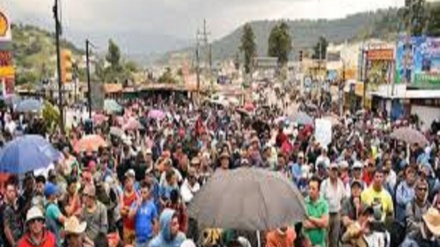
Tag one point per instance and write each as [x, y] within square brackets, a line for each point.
[37, 235]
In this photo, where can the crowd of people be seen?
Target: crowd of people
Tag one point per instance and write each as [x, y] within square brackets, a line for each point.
[364, 189]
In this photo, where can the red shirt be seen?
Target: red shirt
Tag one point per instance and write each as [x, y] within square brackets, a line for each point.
[48, 240]
[367, 178]
[128, 201]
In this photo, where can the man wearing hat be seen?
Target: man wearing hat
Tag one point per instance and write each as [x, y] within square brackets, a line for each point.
[75, 232]
[352, 206]
[36, 235]
[333, 191]
[224, 160]
[428, 233]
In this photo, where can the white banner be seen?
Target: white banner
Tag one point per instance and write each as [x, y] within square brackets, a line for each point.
[323, 131]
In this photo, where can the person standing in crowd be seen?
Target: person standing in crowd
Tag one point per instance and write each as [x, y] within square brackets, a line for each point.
[376, 195]
[317, 214]
[417, 207]
[72, 200]
[94, 214]
[25, 199]
[352, 207]
[405, 194]
[333, 191]
[38, 198]
[175, 203]
[190, 186]
[281, 237]
[354, 236]
[54, 218]
[12, 220]
[129, 196]
[369, 172]
[323, 158]
[145, 215]
[297, 170]
[36, 235]
[427, 234]
[169, 235]
[75, 233]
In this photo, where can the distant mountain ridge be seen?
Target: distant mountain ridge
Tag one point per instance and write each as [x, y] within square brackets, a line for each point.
[34, 53]
[381, 24]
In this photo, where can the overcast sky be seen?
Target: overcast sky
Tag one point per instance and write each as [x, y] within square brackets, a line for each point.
[176, 19]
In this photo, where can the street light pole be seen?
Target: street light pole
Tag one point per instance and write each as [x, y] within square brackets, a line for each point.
[89, 93]
[60, 84]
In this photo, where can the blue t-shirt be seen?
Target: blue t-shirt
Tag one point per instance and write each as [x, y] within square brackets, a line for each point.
[144, 217]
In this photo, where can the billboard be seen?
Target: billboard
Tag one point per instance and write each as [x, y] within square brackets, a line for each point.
[7, 70]
[380, 55]
[5, 27]
[418, 61]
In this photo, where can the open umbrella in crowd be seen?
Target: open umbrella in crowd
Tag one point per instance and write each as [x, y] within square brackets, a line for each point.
[278, 171]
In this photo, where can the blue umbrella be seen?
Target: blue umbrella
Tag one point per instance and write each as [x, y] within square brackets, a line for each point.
[29, 105]
[27, 153]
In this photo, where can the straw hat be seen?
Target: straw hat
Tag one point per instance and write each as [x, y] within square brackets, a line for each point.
[432, 220]
[72, 225]
[34, 213]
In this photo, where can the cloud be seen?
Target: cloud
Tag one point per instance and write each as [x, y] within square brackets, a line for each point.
[136, 19]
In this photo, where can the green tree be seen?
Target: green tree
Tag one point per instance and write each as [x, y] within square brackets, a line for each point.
[280, 43]
[433, 26]
[167, 77]
[248, 47]
[415, 16]
[320, 49]
[131, 67]
[113, 56]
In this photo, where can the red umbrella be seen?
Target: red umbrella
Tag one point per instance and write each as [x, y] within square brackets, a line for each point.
[132, 124]
[99, 118]
[90, 143]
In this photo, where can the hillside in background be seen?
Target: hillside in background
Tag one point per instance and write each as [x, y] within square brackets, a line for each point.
[381, 24]
[34, 53]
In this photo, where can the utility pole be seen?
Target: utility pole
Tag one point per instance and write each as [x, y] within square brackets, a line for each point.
[60, 84]
[203, 36]
[210, 65]
[198, 68]
[89, 93]
[340, 90]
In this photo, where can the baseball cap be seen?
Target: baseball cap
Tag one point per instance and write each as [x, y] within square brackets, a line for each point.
[333, 165]
[300, 155]
[130, 173]
[357, 164]
[343, 164]
[50, 189]
[356, 182]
